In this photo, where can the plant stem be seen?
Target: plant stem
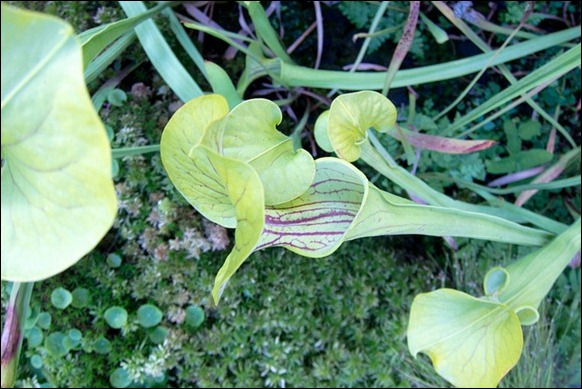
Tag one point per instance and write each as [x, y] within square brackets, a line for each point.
[14, 330]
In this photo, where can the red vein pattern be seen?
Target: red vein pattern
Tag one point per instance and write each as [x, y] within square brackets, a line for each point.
[315, 223]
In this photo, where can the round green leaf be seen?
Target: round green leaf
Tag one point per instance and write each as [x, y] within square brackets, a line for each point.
[120, 378]
[350, 117]
[58, 198]
[194, 316]
[149, 315]
[75, 334]
[102, 345]
[117, 97]
[158, 334]
[31, 317]
[61, 298]
[116, 317]
[472, 343]
[81, 298]
[495, 281]
[527, 315]
[36, 361]
[56, 345]
[44, 320]
[34, 337]
[184, 131]
[113, 260]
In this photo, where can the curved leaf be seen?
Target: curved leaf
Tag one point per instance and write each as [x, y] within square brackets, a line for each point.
[249, 134]
[350, 117]
[192, 176]
[58, 198]
[244, 189]
[472, 343]
[315, 224]
[440, 143]
[532, 276]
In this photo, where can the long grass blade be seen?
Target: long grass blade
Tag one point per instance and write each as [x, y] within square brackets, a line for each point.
[161, 55]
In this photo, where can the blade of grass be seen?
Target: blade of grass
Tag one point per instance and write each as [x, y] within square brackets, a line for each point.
[107, 56]
[473, 37]
[293, 75]
[161, 55]
[96, 39]
[137, 150]
[557, 184]
[548, 72]
[222, 84]
[265, 30]
[478, 76]
[403, 46]
[547, 176]
[364, 48]
[185, 41]
[319, 20]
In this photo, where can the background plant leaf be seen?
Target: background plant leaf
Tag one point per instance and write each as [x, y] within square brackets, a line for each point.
[58, 199]
[472, 343]
[185, 130]
[249, 134]
[351, 115]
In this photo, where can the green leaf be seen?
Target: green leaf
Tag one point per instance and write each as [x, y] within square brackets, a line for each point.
[36, 361]
[44, 320]
[533, 275]
[513, 140]
[58, 199]
[530, 129]
[102, 345]
[116, 97]
[521, 161]
[243, 187]
[194, 316]
[495, 281]
[34, 337]
[185, 130]
[120, 378]
[158, 334]
[96, 39]
[222, 84]
[249, 134]
[472, 343]
[116, 317]
[350, 117]
[61, 298]
[113, 260]
[161, 54]
[81, 298]
[315, 223]
[438, 33]
[55, 344]
[149, 315]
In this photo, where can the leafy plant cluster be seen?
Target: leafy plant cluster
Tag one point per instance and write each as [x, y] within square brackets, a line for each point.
[136, 312]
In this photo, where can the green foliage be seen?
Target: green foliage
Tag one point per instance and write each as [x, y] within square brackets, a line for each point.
[362, 13]
[56, 344]
[42, 172]
[149, 315]
[287, 321]
[194, 316]
[61, 298]
[120, 378]
[116, 317]
[81, 297]
[114, 260]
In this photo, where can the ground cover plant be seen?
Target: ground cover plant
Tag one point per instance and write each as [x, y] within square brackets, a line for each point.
[483, 143]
